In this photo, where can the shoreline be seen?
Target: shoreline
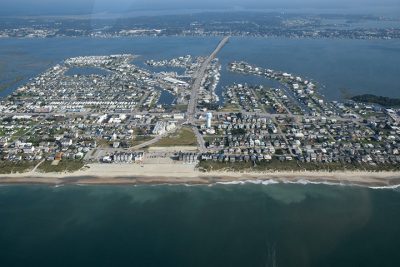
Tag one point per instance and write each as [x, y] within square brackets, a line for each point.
[181, 174]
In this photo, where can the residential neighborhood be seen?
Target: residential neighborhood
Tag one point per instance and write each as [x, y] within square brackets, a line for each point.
[106, 109]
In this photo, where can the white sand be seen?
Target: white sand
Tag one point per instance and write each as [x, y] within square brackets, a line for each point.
[186, 173]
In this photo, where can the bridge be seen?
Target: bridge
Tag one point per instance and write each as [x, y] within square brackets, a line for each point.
[198, 78]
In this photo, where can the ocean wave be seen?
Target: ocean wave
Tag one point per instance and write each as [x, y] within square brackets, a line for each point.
[192, 185]
[306, 182]
[231, 183]
[265, 182]
[397, 186]
[258, 181]
[284, 181]
[268, 182]
[170, 184]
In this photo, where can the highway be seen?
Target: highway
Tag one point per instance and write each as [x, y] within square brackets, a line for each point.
[198, 78]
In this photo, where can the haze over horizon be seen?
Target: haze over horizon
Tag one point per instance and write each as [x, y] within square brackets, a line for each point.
[144, 7]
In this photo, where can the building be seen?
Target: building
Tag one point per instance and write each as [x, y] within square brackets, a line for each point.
[209, 118]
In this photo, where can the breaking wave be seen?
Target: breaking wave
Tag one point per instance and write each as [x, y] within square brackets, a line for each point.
[263, 182]
[386, 187]
[304, 182]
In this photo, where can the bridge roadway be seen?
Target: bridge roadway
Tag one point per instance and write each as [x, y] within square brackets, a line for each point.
[198, 78]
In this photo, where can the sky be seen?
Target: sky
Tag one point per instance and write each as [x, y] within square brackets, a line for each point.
[80, 7]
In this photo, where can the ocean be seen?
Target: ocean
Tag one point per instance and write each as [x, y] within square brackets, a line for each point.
[219, 225]
[350, 66]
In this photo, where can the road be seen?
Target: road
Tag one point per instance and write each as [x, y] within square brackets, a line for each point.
[198, 78]
[37, 165]
[150, 142]
[289, 93]
[265, 114]
[200, 140]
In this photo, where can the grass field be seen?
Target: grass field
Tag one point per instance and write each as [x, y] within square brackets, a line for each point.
[276, 165]
[16, 167]
[231, 108]
[140, 139]
[182, 137]
[181, 107]
[63, 166]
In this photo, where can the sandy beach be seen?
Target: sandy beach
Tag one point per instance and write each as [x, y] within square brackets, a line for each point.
[161, 173]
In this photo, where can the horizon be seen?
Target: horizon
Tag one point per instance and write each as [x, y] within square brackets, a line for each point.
[19, 8]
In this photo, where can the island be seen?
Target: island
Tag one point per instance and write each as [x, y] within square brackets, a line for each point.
[107, 120]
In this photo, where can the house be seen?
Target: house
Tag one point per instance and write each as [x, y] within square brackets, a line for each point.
[116, 144]
[66, 142]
